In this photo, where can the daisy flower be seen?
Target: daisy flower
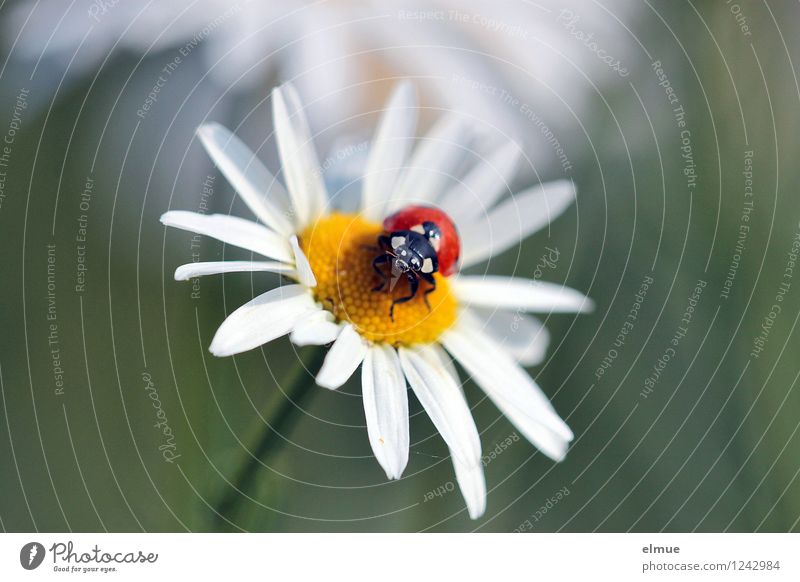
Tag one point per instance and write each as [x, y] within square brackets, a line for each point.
[397, 338]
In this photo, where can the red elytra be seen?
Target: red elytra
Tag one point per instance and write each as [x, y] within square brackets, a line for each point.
[449, 245]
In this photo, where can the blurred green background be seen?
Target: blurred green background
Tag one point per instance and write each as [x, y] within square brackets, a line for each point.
[712, 447]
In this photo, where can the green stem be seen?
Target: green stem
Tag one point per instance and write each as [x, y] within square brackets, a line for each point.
[299, 387]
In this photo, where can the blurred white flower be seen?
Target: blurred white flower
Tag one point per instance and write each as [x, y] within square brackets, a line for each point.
[508, 63]
[395, 338]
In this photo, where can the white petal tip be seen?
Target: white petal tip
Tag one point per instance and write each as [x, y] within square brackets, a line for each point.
[210, 134]
[560, 457]
[557, 452]
[217, 351]
[206, 129]
[343, 359]
[562, 432]
[393, 475]
[327, 384]
[328, 379]
[394, 468]
[221, 349]
[405, 91]
[476, 512]
[473, 488]
[554, 447]
[278, 92]
[317, 334]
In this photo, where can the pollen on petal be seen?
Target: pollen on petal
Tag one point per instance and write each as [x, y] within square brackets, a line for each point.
[340, 249]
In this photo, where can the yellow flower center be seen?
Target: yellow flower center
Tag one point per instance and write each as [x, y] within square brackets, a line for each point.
[340, 249]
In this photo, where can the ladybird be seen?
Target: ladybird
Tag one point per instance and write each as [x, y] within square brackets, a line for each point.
[418, 241]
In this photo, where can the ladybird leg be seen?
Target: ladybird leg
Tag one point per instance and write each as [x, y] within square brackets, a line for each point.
[413, 284]
[429, 278]
[379, 260]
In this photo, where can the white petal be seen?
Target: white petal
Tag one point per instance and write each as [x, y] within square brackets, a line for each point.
[318, 329]
[550, 443]
[313, 62]
[473, 487]
[511, 389]
[524, 336]
[298, 158]
[344, 357]
[482, 186]
[447, 363]
[259, 189]
[192, 270]
[344, 177]
[262, 319]
[516, 293]
[515, 219]
[434, 162]
[429, 49]
[304, 273]
[234, 231]
[444, 402]
[386, 408]
[388, 150]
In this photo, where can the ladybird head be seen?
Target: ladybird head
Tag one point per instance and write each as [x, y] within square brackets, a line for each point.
[412, 250]
[436, 227]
